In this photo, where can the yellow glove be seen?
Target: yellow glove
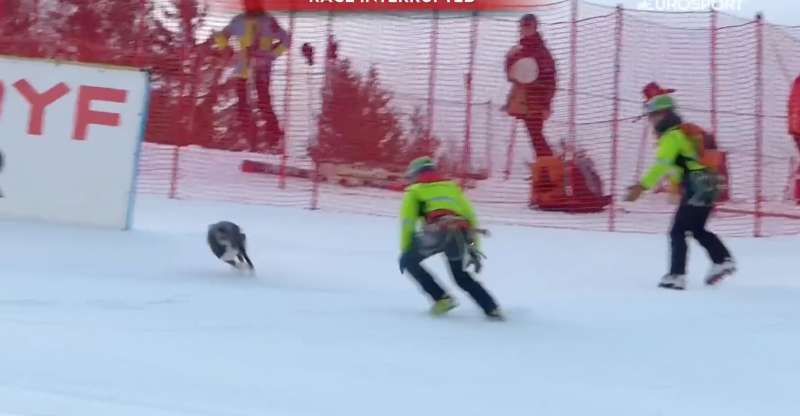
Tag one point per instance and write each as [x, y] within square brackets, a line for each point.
[221, 40]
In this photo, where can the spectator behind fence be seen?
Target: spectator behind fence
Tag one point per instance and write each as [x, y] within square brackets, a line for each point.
[794, 131]
[794, 112]
[261, 41]
[532, 72]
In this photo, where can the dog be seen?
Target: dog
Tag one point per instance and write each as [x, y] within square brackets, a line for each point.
[228, 243]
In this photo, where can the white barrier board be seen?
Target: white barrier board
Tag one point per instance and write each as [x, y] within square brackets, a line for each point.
[70, 136]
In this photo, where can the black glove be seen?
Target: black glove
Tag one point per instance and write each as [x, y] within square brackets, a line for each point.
[475, 259]
[408, 257]
[402, 263]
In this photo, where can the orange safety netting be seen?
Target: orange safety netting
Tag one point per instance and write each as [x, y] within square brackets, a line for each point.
[380, 89]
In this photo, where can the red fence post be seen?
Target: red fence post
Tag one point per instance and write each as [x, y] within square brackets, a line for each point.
[139, 58]
[759, 123]
[173, 183]
[489, 136]
[287, 95]
[714, 86]
[315, 180]
[194, 78]
[510, 150]
[315, 187]
[612, 219]
[573, 75]
[467, 155]
[433, 57]
[642, 149]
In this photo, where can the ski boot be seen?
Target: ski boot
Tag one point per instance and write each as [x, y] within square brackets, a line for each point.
[720, 271]
[673, 281]
[495, 315]
[443, 305]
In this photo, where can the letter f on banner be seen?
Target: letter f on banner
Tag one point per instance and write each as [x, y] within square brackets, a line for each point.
[86, 116]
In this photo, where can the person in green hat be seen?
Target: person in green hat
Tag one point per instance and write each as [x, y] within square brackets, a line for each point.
[450, 227]
[677, 157]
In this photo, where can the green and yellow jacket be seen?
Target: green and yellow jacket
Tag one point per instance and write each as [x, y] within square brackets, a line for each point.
[677, 155]
[428, 198]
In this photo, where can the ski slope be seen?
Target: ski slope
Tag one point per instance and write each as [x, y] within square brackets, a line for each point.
[149, 323]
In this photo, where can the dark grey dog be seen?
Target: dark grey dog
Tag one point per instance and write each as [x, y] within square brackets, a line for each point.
[228, 243]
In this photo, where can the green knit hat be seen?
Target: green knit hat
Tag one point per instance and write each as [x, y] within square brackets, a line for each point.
[418, 164]
[659, 103]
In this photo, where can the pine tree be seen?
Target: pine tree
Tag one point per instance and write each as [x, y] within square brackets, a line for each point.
[183, 78]
[357, 123]
[184, 83]
[18, 33]
[102, 31]
[421, 140]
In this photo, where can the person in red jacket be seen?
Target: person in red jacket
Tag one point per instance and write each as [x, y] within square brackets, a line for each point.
[530, 101]
[794, 112]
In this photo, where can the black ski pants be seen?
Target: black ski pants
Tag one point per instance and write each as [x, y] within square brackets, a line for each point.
[453, 245]
[692, 219]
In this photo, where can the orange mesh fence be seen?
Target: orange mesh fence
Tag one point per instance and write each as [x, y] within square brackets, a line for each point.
[357, 96]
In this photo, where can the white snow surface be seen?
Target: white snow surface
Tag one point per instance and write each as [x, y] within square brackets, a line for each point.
[148, 322]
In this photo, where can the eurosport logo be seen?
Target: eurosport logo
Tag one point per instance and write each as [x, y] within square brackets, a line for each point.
[690, 5]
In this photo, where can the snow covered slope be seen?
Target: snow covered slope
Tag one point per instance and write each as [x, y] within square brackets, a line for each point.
[102, 323]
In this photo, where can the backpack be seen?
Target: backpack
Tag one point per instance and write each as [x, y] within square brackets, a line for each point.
[701, 139]
[710, 156]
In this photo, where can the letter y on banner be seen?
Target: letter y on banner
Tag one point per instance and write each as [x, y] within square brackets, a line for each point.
[38, 102]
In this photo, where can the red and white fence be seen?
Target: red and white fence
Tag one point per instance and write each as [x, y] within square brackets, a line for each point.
[733, 77]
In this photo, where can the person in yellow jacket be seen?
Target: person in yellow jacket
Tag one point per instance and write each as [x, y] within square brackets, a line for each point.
[677, 157]
[261, 40]
[450, 227]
